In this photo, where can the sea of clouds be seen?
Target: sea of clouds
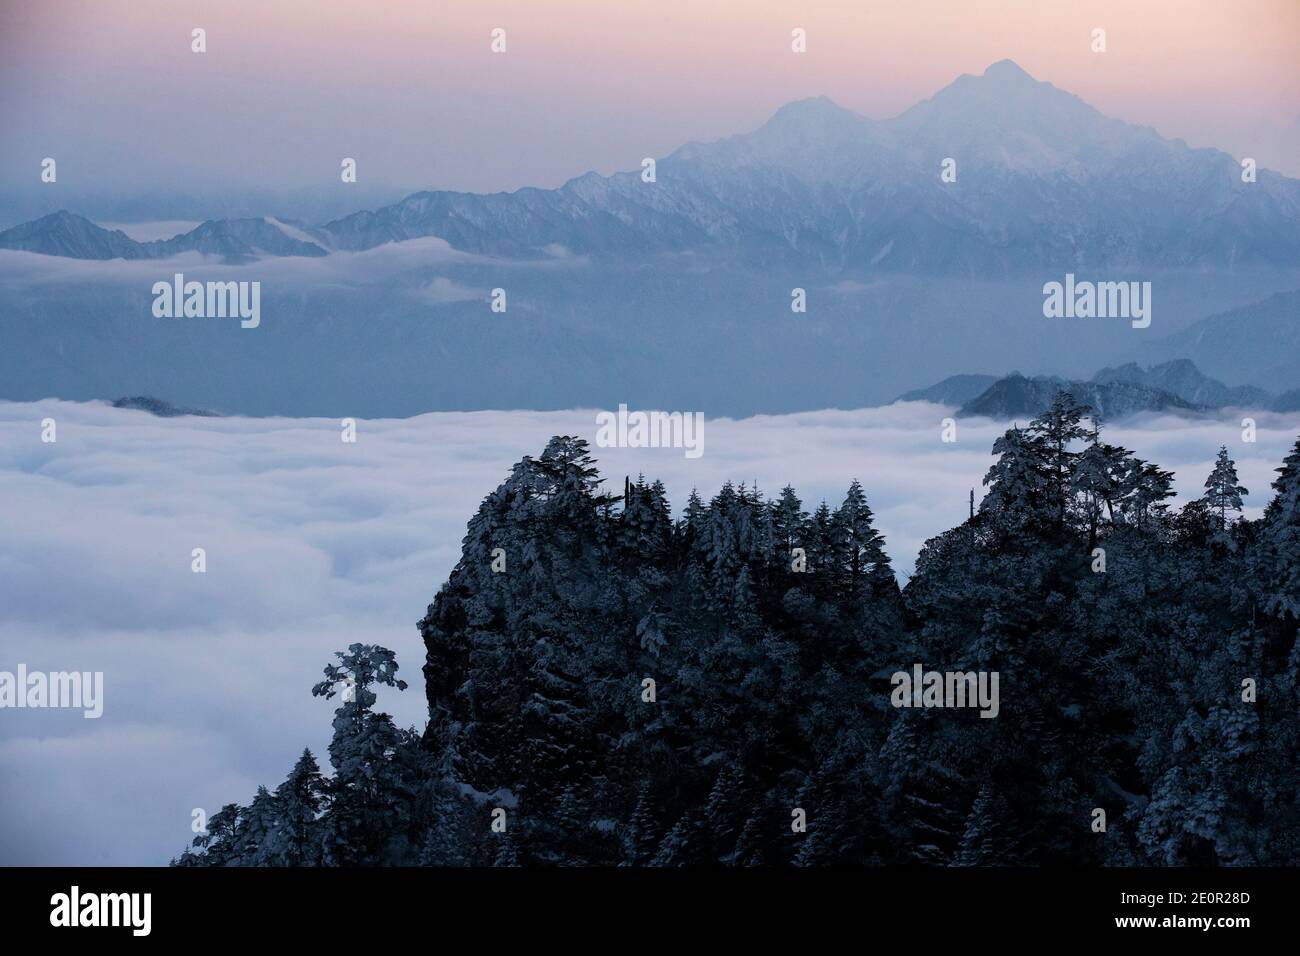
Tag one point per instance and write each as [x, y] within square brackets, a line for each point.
[313, 543]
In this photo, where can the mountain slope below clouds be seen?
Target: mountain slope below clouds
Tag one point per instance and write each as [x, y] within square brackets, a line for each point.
[1177, 386]
[1256, 345]
[953, 390]
[1018, 396]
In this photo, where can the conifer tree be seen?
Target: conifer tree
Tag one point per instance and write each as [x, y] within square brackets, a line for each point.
[642, 832]
[1018, 483]
[258, 829]
[858, 553]
[989, 838]
[1053, 433]
[446, 839]
[505, 854]
[1278, 563]
[219, 840]
[299, 802]
[1222, 492]
[686, 844]
[369, 799]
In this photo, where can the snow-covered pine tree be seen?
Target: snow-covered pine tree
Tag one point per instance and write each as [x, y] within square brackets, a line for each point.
[299, 801]
[1278, 564]
[641, 834]
[448, 838]
[371, 795]
[506, 854]
[989, 838]
[219, 841]
[1054, 431]
[686, 844]
[258, 827]
[1018, 496]
[1222, 490]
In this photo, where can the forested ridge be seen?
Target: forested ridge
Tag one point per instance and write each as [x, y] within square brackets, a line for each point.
[610, 686]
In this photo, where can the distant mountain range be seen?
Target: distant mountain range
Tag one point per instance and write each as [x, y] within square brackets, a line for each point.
[1114, 393]
[233, 240]
[1177, 386]
[676, 293]
[1043, 180]
[1182, 378]
[1255, 343]
[1016, 395]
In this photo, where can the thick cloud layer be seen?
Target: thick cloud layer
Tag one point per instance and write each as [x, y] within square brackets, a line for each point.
[313, 543]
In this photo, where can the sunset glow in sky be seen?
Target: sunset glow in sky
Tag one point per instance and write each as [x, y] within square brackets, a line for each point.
[410, 88]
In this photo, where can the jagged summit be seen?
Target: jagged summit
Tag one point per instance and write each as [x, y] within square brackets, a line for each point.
[71, 236]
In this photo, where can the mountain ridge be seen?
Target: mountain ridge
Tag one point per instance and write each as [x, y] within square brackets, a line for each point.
[68, 235]
[1017, 395]
[1115, 392]
[1057, 184]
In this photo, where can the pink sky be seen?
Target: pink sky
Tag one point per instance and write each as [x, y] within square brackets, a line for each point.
[410, 89]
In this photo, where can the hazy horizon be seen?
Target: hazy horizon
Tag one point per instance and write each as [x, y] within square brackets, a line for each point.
[414, 94]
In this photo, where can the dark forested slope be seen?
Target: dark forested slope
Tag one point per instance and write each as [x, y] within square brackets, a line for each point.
[608, 685]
